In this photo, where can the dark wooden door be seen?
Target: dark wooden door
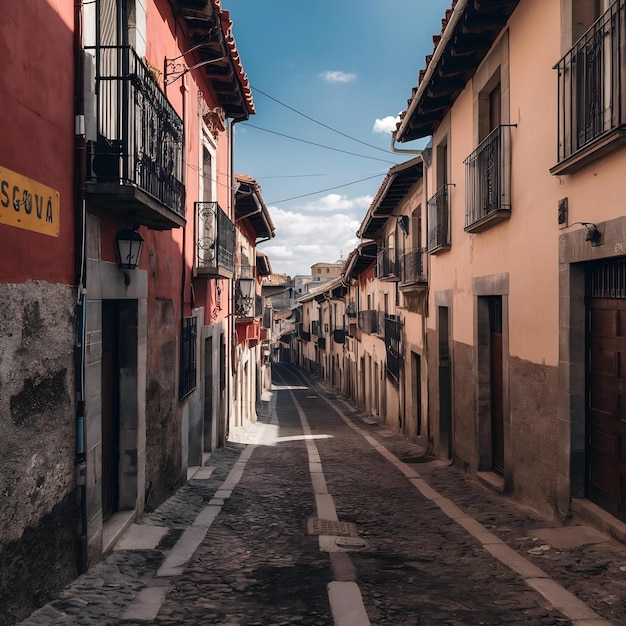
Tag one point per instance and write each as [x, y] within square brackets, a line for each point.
[110, 406]
[497, 385]
[606, 405]
[445, 384]
[208, 394]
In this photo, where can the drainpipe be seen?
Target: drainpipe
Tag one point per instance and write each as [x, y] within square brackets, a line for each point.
[80, 162]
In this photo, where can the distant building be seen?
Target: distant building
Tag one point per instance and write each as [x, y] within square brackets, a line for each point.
[321, 272]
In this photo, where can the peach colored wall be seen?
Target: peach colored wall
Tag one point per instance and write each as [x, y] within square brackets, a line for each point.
[531, 254]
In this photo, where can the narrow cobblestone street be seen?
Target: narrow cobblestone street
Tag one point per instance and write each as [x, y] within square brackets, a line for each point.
[411, 540]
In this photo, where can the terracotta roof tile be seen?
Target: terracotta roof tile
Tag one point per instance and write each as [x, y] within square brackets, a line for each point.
[227, 27]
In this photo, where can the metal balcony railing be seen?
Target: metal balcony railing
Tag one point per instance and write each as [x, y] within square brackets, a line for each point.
[139, 143]
[245, 270]
[439, 221]
[487, 176]
[387, 264]
[393, 336]
[216, 240]
[368, 321]
[591, 84]
[413, 267]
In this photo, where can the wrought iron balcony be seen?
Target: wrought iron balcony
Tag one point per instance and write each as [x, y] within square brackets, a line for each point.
[413, 267]
[216, 241]
[388, 268]
[135, 165]
[439, 221]
[368, 321]
[488, 176]
[339, 335]
[393, 337]
[591, 87]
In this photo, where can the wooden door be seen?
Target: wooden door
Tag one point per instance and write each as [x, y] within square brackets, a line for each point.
[497, 384]
[110, 379]
[606, 404]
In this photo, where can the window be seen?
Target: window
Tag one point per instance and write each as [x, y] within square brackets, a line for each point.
[488, 167]
[207, 192]
[438, 205]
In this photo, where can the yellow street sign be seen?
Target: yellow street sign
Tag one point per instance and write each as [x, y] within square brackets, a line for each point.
[25, 203]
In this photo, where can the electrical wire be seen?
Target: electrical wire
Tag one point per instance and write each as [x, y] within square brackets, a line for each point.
[334, 130]
[314, 193]
[319, 145]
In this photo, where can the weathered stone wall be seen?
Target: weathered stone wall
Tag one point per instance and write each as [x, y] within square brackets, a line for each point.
[39, 520]
[163, 415]
[534, 393]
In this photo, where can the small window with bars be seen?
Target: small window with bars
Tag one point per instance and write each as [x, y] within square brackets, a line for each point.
[187, 356]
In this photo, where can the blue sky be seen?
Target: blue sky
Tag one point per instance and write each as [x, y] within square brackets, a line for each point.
[316, 68]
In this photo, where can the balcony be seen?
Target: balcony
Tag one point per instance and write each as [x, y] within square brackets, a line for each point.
[135, 165]
[388, 268]
[591, 86]
[439, 221]
[393, 336]
[488, 181]
[339, 335]
[368, 321]
[215, 255]
[413, 268]
[351, 309]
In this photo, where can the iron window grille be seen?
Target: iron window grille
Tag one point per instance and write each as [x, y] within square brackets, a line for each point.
[439, 220]
[487, 175]
[139, 134]
[591, 84]
[188, 356]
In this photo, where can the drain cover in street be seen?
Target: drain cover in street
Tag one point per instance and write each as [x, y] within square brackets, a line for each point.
[316, 526]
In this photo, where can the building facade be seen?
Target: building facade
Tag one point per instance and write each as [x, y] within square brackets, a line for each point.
[118, 262]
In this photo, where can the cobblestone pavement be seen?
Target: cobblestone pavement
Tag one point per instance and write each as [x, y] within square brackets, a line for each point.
[428, 545]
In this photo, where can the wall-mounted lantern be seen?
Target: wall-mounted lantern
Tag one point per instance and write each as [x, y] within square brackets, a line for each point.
[128, 244]
[244, 296]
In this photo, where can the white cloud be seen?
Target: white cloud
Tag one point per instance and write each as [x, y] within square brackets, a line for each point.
[334, 202]
[386, 124]
[335, 76]
[304, 239]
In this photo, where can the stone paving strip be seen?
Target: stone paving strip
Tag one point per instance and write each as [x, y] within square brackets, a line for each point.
[346, 601]
[561, 599]
[148, 602]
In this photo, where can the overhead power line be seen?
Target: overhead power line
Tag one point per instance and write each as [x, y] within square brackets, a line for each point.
[319, 145]
[308, 117]
[315, 193]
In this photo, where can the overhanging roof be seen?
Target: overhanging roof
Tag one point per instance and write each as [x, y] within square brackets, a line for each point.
[396, 184]
[211, 34]
[469, 30]
[249, 204]
[359, 260]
